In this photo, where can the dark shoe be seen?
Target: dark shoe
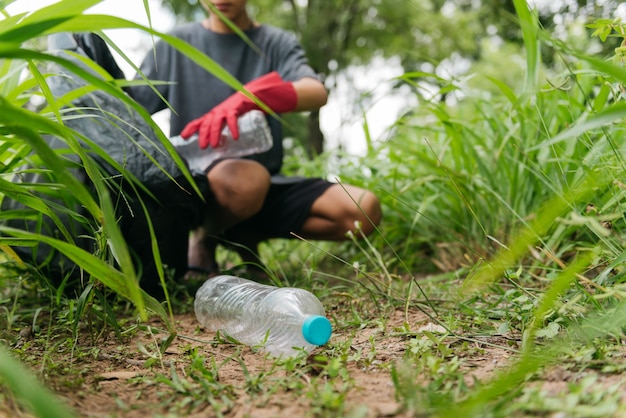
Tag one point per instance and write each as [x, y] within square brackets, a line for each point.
[196, 276]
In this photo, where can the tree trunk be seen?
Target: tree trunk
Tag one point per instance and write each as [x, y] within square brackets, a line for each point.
[315, 143]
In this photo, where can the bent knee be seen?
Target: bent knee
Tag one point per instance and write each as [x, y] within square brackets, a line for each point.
[369, 213]
[363, 213]
[238, 176]
[240, 186]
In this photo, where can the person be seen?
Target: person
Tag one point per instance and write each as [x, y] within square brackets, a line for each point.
[152, 198]
[251, 200]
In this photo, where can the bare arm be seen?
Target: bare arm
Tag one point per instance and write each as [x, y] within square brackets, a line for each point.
[311, 94]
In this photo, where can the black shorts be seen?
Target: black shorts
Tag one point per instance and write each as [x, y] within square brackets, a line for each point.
[286, 207]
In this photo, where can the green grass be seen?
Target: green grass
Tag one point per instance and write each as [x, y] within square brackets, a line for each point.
[503, 225]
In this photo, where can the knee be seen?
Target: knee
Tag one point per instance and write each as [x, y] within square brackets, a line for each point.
[239, 186]
[369, 213]
[363, 213]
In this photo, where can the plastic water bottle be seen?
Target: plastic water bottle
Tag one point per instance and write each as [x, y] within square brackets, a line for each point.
[254, 138]
[280, 321]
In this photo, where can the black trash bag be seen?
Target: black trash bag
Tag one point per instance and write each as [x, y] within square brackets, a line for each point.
[91, 45]
[122, 132]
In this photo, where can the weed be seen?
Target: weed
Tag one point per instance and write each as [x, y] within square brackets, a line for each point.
[494, 287]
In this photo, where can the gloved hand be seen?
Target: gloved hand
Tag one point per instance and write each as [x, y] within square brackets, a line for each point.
[271, 89]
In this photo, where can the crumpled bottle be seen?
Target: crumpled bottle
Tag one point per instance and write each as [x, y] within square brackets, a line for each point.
[281, 321]
[254, 138]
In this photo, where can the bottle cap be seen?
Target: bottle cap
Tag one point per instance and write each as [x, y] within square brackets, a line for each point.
[316, 329]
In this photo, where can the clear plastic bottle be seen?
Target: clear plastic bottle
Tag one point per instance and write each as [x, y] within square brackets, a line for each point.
[281, 321]
[254, 138]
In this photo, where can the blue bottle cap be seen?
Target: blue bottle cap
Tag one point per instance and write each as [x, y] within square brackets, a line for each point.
[316, 330]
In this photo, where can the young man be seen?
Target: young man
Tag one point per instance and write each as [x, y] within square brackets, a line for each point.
[252, 201]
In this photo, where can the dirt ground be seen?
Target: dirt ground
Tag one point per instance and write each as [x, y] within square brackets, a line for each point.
[114, 381]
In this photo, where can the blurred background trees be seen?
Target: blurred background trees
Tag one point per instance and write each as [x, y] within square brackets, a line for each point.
[442, 37]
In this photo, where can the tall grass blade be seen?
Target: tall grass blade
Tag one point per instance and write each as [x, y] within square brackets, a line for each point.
[529, 25]
[27, 26]
[528, 236]
[28, 390]
[532, 357]
[26, 125]
[99, 269]
[612, 114]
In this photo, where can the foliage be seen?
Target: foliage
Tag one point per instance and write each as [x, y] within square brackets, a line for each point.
[510, 199]
[348, 32]
[38, 398]
[436, 36]
[511, 184]
[65, 199]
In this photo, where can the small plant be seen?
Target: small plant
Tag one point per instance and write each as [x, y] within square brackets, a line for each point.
[499, 265]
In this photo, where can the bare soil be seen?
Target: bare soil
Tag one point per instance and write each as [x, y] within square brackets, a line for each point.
[127, 379]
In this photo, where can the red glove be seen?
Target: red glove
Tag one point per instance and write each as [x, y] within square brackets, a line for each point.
[277, 94]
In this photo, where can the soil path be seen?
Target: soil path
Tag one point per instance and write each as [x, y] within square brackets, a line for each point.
[198, 377]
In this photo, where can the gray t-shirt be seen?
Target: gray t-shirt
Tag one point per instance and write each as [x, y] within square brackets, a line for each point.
[195, 91]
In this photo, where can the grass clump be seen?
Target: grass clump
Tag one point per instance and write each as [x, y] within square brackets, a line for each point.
[499, 265]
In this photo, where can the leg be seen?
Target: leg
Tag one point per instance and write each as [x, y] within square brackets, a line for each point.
[312, 208]
[239, 187]
[246, 244]
[331, 216]
[335, 212]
